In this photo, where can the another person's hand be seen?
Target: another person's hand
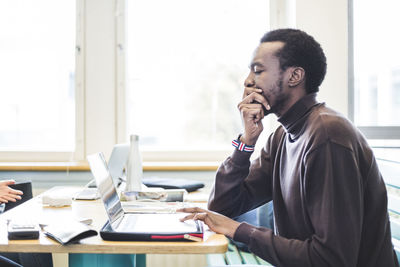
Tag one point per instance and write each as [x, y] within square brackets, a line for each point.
[252, 109]
[215, 221]
[7, 193]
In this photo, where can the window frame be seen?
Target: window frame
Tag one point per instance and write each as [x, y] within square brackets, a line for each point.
[370, 132]
[100, 81]
[78, 153]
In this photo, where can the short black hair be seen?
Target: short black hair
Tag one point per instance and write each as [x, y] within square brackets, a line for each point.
[300, 50]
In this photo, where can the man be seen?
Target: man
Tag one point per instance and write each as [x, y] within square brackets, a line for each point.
[330, 202]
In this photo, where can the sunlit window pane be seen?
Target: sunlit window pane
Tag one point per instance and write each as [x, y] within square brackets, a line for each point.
[186, 64]
[37, 66]
[377, 62]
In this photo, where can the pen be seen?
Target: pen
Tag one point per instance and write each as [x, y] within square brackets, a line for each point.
[193, 238]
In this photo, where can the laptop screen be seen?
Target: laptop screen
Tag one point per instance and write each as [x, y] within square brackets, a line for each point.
[105, 186]
[117, 162]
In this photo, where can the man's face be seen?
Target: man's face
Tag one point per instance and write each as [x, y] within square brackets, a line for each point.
[265, 74]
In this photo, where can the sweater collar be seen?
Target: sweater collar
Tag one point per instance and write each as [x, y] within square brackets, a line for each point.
[291, 119]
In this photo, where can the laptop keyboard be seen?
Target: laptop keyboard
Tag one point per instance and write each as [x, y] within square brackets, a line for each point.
[127, 223]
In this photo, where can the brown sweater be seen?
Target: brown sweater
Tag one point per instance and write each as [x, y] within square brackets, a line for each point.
[330, 201]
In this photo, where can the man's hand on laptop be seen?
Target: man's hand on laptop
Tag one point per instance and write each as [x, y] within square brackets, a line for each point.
[215, 221]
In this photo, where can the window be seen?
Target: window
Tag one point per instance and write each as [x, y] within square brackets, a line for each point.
[37, 66]
[376, 67]
[186, 64]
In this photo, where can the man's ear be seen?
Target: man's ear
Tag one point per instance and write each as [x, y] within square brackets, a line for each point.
[297, 76]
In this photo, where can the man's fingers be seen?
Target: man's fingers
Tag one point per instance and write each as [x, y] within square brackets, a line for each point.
[195, 216]
[252, 112]
[187, 217]
[257, 99]
[9, 198]
[16, 197]
[249, 90]
[196, 213]
[200, 216]
[8, 182]
[254, 96]
[191, 210]
[16, 192]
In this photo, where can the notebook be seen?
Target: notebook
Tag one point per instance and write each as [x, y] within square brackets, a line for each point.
[123, 226]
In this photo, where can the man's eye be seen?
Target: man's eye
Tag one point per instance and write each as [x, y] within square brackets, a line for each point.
[257, 70]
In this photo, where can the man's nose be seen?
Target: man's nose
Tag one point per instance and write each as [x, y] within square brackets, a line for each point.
[249, 81]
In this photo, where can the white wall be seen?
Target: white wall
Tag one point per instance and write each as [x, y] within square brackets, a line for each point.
[327, 21]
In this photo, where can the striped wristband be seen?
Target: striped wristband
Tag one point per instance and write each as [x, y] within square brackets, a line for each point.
[242, 146]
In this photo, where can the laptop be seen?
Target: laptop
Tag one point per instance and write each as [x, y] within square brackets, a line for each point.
[117, 162]
[124, 226]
